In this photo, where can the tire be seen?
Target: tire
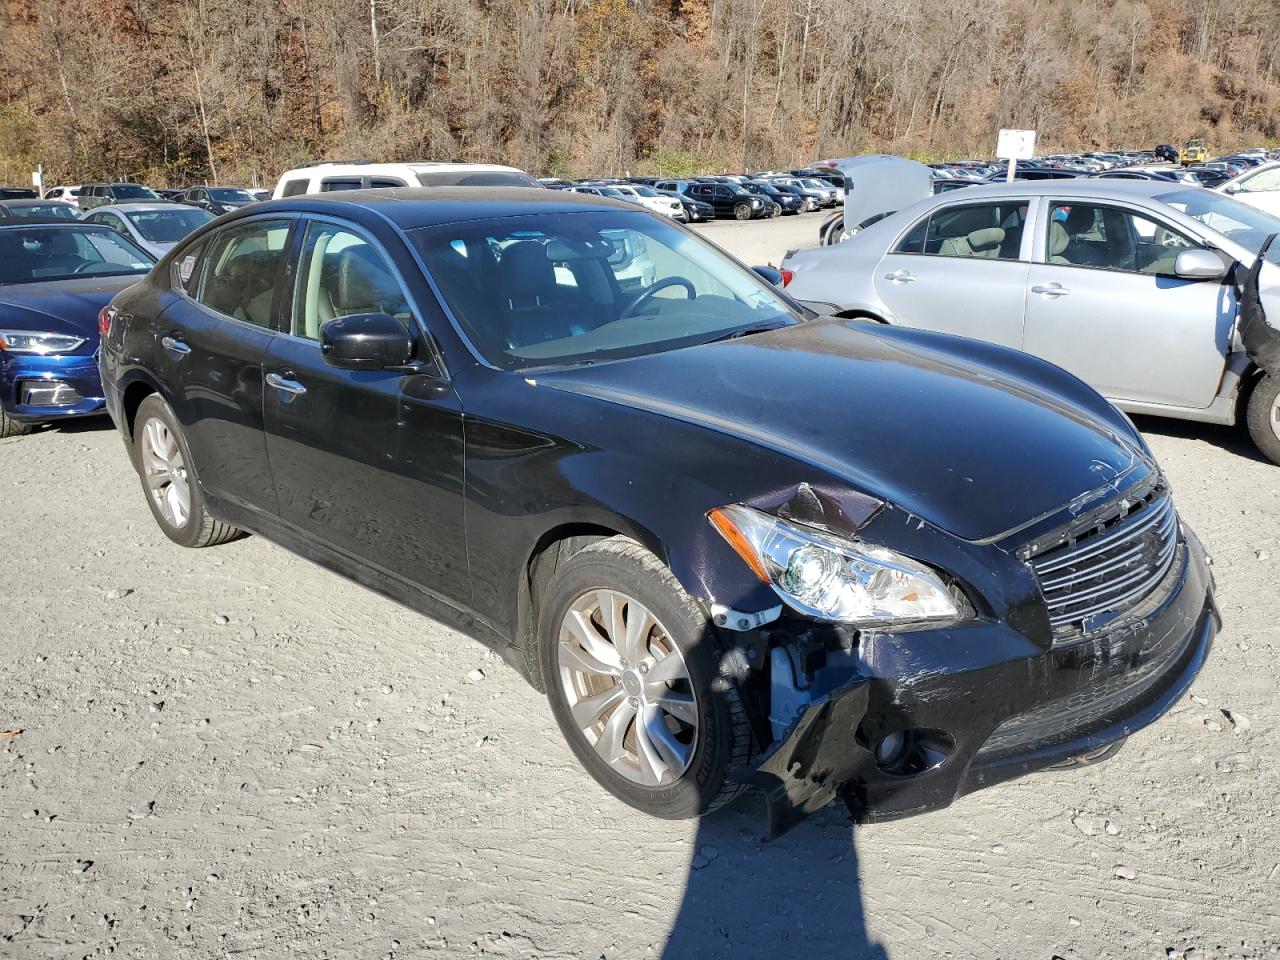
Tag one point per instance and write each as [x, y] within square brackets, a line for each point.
[1263, 416]
[742, 211]
[10, 427]
[716, 744]
[160, 452]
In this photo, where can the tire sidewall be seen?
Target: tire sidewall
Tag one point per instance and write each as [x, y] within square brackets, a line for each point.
[688, 627]
[742, 212]
[1262, 401]
[154, 407]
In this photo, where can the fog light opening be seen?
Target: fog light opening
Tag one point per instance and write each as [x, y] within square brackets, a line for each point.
[907, 753]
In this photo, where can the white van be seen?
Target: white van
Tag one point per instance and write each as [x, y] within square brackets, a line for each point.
[363, 175]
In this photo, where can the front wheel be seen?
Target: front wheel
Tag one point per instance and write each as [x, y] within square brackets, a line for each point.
[10, 427]
[632, 674]
[742, 211]
[1263, 416]
[163, 462]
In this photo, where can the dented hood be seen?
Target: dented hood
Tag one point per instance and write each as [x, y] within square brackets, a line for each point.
[965, 435]
[879, 184]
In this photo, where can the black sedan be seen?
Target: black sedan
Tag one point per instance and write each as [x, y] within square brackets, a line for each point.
[739, 545]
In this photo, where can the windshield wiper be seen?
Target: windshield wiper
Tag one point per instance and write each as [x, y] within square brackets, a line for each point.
[748, 331]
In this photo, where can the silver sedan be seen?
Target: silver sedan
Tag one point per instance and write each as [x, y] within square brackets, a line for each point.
[1133, 286]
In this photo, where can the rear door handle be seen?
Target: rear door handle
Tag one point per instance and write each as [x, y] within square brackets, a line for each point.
[175, 347]
[285, 385]
[900, 276]
[1050, 289]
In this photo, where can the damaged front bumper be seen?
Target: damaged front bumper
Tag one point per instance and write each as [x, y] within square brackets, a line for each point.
[925, 717]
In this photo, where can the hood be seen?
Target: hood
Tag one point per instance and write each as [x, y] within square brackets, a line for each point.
[919, 420]
[62, 306]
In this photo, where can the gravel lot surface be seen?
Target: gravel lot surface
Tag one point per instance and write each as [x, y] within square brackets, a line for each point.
[233, 753]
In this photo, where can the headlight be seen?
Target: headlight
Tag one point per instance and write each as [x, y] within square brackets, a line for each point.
[26, 341]
[830, 578]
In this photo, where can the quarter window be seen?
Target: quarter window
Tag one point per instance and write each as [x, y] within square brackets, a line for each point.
[340, 273]
[1262, 180]
[1111, 238]
[239, 276]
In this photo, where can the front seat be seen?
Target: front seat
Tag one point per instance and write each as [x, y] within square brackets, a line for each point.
[534, 307]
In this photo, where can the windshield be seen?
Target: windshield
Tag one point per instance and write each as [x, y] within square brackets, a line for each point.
[646, 191]
[477, 178]
[56, 211]
[133, 191]
[230, 195]
[168, 226]
[38, 254]
[1239, 222]
[541, 290]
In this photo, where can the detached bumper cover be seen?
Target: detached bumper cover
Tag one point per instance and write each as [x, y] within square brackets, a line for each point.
[1005, 705]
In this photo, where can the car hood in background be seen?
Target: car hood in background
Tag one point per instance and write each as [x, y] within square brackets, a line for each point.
[908, 417]
[60, 306]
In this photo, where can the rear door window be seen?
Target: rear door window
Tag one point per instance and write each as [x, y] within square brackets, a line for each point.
[981, 231]
[242, 269]
[294, 188]
[341, 183]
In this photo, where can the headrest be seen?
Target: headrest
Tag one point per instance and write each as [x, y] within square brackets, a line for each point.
[526, 271]
[986, 238]
[361, 279]
[1058, 238]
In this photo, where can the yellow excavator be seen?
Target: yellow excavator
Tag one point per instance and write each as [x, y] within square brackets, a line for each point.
[1193, 151]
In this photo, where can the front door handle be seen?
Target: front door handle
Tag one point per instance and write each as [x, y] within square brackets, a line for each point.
[900, 276]
[285, 385]
[176, 347]
[1050, 289]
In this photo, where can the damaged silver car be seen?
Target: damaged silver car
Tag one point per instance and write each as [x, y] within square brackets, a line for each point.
[1156, 294]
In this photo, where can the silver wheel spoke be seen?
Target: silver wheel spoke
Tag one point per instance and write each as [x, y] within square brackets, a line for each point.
[610, 745]
[674, 754]
[653, 768]
[669, 668]
[575, 658]
[679, 705]
[635, 639]
[611, 609]
[582, 632]
[588, 711]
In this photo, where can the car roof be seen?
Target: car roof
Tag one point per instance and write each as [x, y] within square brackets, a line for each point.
[362, 167]
[29, 202]
[1074, 186]
[139, 207]
[22, 223]
[412, 207]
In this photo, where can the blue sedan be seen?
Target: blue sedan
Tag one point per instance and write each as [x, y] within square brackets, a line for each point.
[55, 278]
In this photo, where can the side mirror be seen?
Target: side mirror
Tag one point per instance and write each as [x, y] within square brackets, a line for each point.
[1199, 265]
[769, 274]
[1231, 188]
[365, 341]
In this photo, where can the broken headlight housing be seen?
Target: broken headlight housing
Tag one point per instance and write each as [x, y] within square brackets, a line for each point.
[831, 578]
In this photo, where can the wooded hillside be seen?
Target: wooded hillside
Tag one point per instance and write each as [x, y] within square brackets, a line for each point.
[180, 91]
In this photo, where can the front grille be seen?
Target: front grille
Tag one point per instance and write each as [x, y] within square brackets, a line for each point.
[1109, 566]
[47, 393]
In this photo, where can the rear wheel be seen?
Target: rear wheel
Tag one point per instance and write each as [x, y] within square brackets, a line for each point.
[1263, 416]
[10, 427]
[633, 678]
[163, 462]
[742, 211]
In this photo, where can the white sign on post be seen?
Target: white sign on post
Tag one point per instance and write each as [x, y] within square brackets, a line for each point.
[1015, 145]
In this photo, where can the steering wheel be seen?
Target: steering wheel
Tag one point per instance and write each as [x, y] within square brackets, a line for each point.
[661, 285]
[85, 265]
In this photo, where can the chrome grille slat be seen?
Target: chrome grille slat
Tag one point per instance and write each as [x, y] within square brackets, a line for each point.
[1108, 567]
[1094, 573]
[1098, 546]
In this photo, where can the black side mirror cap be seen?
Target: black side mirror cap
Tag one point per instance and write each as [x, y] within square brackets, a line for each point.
[365, 341]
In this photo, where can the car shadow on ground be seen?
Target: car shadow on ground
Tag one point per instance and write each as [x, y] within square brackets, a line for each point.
[797, 896]
[1234, 440]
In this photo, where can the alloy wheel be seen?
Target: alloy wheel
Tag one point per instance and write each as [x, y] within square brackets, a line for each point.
[627, 687]
[165, 472]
